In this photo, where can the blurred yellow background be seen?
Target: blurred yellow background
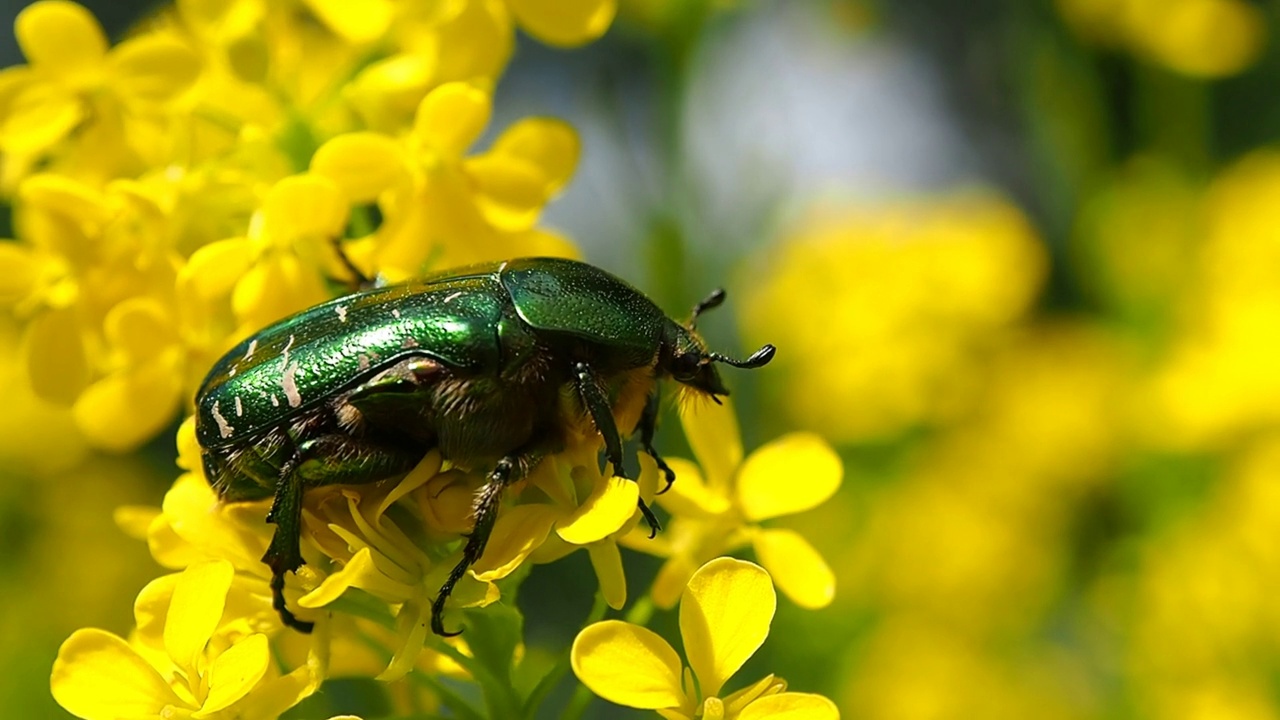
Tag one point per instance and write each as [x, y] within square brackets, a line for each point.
[1021, 261]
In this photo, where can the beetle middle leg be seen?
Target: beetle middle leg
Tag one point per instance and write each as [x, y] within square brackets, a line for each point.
[508, 470]
[325, 460]
[598, 405]
[649, 425]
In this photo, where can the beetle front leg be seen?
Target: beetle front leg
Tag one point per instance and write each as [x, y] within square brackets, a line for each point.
[508, 470]
[649, 425]
[284, 554]
[598, 405]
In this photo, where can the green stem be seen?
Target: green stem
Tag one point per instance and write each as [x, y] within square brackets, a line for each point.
[1173, 116]
[641, 612]
[501, 706]
[452, 700]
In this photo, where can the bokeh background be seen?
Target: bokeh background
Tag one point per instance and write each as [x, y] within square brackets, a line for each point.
[1022, 262]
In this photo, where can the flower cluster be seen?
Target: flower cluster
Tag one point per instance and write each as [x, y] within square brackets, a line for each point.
[180, 190]
[915, 289]
[231, 163]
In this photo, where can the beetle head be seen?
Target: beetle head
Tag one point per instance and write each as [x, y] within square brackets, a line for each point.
[691, 364]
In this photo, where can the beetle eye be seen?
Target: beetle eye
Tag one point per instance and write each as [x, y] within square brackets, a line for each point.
[685, 366]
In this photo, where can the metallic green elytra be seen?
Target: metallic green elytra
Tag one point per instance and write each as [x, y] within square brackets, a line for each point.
[360, 388]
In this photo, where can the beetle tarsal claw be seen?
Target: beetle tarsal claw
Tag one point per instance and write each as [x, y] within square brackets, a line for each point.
[651, 519]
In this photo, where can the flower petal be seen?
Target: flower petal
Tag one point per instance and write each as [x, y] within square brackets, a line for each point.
[126, 409]
[154, 67]
[628, 665]
[547, 144]
[97, 675]
[540, 242]
[607, 562]
[235, 672]
[139, 327]
[794, 473]
[725, 614]
[363, 164]
[689, 496]
[361, 571]
[213, 270]
[713, 434]
[355, 22]
[447, 503]
[476, 42]
[38, 117]
[791, 706]
[510, 193]
[565, 23]
[61, 38]
[739, 699]
[797, 569]
[609, 506]
[303, 205]
[196, 608]
[518, 532]
[55, 356]
[19, 268]
[451, 117]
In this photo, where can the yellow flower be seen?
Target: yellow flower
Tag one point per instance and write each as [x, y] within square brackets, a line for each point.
[606, 511]
[97, 280]
[445, 209]
[1218, 383]
[725, 613]
[387, 554]
[281, 264]
[201, 673]
[791, 474]
[915, 288]
[75, 90]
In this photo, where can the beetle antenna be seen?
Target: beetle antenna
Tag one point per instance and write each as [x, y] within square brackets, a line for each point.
[759, 358]
[710, 302]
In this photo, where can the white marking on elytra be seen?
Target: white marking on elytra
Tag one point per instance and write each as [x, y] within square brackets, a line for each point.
[275, 401]
[289, 383]
[453, 295]
[253, 345]
[342, 312]
[395, 313]
[224, 428]
[285, 354]
[239, 407]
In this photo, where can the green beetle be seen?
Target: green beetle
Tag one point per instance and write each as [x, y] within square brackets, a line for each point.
[360, 388]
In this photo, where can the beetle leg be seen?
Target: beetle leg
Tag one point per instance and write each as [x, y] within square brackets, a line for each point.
[312, 464]
[648, 425]
[508, 470]
[598, 405]
[284, 554]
